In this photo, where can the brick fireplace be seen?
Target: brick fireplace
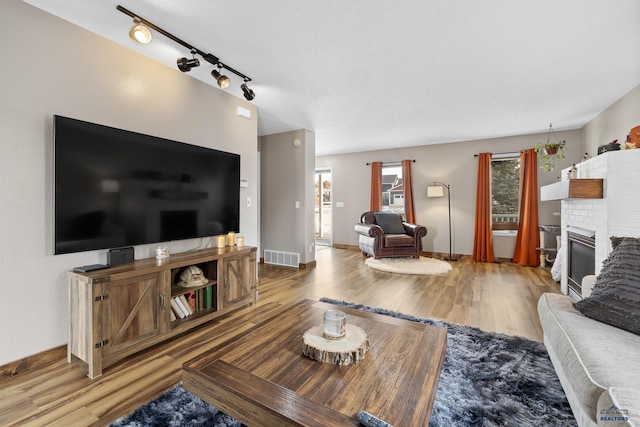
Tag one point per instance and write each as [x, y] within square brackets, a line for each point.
[616, 214]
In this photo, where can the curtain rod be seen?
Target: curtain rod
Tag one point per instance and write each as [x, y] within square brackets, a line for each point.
[391, 163]
[513, 153]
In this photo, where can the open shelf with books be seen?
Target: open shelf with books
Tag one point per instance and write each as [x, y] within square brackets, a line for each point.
[193, 301]
[117, 311]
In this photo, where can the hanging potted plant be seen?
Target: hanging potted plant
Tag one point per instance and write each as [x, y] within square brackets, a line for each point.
[551, 151]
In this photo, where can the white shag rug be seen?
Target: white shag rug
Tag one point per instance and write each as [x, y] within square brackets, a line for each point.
[422, 266]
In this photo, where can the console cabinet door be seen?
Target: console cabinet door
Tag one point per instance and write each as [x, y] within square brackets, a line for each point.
[239, 279]
[131, 312]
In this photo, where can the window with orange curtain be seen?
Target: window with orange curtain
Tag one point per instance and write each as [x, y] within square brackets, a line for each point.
[483, 238]
[391, 187]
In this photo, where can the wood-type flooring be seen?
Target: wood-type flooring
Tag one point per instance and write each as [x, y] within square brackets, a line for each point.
[494, 297]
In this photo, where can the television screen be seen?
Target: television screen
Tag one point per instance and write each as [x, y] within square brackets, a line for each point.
[117, 188]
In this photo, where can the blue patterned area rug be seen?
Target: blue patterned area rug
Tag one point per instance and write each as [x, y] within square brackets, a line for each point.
[488, 379]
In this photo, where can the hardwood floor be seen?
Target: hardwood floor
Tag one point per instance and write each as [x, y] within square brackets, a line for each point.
[494, 297]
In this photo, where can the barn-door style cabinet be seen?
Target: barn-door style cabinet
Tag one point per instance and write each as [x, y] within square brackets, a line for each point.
[121, 310]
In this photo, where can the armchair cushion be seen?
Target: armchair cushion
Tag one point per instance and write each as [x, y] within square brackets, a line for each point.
[390, 222]
[398, 240]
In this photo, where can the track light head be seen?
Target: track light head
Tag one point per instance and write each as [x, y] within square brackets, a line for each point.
[222, 80]
[248, 92]
[140, 33]
[185, 64]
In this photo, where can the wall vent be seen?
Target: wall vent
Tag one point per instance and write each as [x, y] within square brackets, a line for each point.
[287, 259]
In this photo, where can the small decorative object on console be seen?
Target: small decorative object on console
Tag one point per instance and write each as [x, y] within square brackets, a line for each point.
[573, 172]
[335, 324]
[634, 136]
[162, 252]
[192, 276]
[612, 146]
[346, 351]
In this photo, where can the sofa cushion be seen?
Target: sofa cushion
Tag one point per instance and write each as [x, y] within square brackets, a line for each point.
[390, 222]
[615, 298]
[622, 263]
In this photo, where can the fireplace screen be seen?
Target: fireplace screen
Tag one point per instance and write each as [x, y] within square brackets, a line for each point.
[582, 251]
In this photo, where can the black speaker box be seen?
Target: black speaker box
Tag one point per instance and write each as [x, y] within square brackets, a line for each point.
[119, 256]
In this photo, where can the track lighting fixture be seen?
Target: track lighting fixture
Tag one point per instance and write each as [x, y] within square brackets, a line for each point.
[222, 80]
[248, 92]
[185, 65]
[142, 34]
[139, 32]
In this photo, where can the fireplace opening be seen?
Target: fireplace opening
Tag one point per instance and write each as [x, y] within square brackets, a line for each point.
[581, 254]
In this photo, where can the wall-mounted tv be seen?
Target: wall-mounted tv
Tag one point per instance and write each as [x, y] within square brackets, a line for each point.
[115, 188]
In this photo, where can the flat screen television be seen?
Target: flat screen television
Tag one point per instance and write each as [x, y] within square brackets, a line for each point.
[115, 188]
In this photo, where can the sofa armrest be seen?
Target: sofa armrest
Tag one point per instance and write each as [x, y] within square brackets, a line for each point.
[369, 230]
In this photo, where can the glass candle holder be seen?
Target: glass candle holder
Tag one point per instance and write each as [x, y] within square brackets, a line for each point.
[221, 240]
[335, 324]
[239, 241]
[231, 238]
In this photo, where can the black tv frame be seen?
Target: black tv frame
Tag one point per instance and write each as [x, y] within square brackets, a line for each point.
[115, 188]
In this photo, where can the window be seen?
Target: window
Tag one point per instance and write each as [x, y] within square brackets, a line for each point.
[505, 192]
[392, 189]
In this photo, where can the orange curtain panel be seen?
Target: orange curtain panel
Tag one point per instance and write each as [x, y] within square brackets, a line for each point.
[407, 186]
[528, 239]
[483, 239]
[376, 186]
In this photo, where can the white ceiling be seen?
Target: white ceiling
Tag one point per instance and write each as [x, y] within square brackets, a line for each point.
[367, 75]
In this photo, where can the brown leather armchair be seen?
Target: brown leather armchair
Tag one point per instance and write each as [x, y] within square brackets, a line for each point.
[384, 234]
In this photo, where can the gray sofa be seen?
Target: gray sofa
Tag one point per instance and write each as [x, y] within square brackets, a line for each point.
[598, 364]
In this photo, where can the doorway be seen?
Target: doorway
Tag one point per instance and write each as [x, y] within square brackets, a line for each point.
[323, 207]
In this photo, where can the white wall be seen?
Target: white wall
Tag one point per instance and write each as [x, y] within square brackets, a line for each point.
[54, 67]
[287, 180]
[613, 123]
[453, 164]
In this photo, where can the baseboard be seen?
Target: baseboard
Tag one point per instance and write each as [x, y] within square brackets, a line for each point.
[303, 266]
[342, 246]
[33, 362]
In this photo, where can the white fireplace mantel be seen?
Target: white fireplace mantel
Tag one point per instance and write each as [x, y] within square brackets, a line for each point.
[616, 214]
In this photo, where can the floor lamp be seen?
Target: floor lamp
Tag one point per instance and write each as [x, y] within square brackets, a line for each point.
[437, 190]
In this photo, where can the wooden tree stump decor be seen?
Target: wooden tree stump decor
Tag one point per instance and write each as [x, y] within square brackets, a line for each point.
[346, 351]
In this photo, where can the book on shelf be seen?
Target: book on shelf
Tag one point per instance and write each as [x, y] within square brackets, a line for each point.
[208, 297]
[175, 308]
[181, 306]
[173, 315]
[192, 300]
[200, 299]
[185, 304]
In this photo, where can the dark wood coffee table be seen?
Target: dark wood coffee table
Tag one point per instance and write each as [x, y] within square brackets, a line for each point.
[261, 377]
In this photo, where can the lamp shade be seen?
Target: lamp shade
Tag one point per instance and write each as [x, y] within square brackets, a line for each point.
[435, 191]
